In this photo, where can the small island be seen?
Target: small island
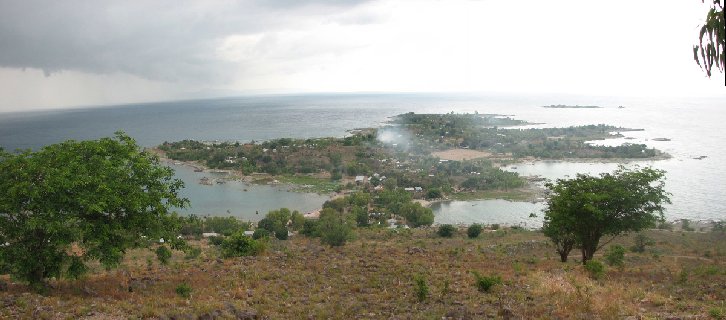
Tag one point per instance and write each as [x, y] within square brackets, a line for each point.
[430, 156]
[562, 106]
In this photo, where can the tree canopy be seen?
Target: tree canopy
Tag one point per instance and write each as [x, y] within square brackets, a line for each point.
[582, 210]
[73, 202]
[712, 40]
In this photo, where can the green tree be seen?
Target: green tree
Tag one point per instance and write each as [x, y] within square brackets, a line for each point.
[712, 51]
[335, 228]
[361, 216]
[560, 235]
[275, 220]
[587, 208]
[417, 215]
[298, 220]
[104, 196]
[433, 193]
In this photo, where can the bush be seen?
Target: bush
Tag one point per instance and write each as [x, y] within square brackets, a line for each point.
[224, 225]
[281, 233]
[193, 253]
[446, 230]
[686, 225]
[190, 226]
[216, 240]
[615, 256]
[485, 283]
[163, 254]
[420, 288]
[719, 226]
[335, 228]
[184, 290]
[495, 226]
[474, 230]
[641, 241]
[310, 228]
[417, 215]
[595, 268]
[717, 313]
[238, 245]
[433, 194]
[260, 233]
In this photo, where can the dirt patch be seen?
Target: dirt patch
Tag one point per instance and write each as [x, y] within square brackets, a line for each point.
[461, 154]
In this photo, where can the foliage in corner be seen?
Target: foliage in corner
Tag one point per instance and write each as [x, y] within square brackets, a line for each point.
[712, 51]
[103, 196]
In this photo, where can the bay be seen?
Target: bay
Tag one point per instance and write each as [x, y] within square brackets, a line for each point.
[692, 125]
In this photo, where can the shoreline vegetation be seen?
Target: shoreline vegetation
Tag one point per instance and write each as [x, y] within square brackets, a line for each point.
[434, 157]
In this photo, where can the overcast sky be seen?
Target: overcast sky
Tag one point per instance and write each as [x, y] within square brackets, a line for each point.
[86, 52]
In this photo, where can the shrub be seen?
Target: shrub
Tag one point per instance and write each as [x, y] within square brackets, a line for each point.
[485, 283]
[446, 231]
[224, 225]
[686, 225]
[664, 225]
[281, 233]
[595, 268]
[417, 215]
[238, 245]
[473, 231]
[310, 228]
[433, 194]
[682, 277]
[260, 233]
[298, 220]
[420, 288]
[719, 226]
[641, 241]
[216, 240]
[615, 256]
[717, 313]
[193, 253]
[335, 228]
[184, 290]
[163, 254]
[495, 226]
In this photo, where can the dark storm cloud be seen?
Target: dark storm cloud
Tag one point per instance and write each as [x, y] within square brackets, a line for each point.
[159, 40]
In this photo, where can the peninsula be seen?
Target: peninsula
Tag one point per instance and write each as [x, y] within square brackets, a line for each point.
[433, 156]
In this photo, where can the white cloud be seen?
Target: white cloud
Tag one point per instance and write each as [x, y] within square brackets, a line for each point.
[111, 52]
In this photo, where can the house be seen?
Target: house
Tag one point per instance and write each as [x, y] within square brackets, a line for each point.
[249, 233]
[409, 189]
[360, 179]
[210, 234]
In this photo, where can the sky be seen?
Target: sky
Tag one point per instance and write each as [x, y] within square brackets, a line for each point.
[57, 54]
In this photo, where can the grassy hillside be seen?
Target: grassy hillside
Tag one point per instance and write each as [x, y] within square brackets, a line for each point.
[682, 274]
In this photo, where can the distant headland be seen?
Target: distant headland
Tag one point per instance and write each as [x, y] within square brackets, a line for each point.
[562, 106]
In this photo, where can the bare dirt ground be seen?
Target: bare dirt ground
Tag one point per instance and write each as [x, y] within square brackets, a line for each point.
[461, 154]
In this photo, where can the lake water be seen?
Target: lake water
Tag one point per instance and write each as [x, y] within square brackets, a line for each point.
[693, 125]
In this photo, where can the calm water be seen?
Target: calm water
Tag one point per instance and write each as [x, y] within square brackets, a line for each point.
[693, 125]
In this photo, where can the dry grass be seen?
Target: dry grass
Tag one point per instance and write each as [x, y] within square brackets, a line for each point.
[372, 278]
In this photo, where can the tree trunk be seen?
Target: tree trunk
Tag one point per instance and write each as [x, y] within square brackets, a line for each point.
[563, 256]
[588, 252]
